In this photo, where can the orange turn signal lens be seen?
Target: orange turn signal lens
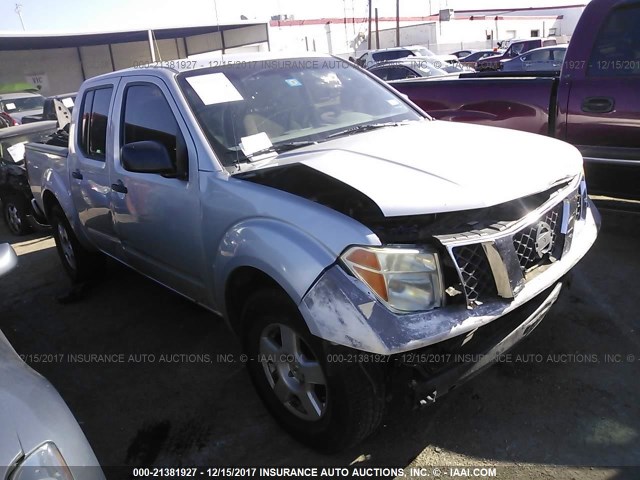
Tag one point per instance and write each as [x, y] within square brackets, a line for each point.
[364, 258]
[375, 281]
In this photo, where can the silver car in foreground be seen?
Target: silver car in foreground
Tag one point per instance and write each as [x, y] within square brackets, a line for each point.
[39, 437]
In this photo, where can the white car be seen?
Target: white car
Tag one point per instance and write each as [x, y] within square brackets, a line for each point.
[370, 57]
[18, 105]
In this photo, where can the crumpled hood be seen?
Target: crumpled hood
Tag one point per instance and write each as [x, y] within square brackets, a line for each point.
[435, 166]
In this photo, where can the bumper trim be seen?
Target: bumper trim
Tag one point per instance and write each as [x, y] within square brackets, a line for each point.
[430, 390]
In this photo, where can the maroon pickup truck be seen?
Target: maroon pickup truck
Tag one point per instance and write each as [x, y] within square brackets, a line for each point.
[593, 104]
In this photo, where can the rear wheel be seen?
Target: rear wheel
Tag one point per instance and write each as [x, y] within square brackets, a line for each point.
[80, 264]
[15, 210]
[329, 406]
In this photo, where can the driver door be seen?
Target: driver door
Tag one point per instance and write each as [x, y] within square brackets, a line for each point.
[157, 216]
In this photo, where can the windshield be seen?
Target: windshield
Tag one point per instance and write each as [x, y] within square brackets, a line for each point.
[23, 104]
[249, 107]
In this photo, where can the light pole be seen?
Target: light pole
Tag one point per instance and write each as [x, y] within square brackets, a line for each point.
[19, 12]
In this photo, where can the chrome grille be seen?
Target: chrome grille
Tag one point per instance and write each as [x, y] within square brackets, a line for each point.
[524, 241]
[475, 272]
[513, 254]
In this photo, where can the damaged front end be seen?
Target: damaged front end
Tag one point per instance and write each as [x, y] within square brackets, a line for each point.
[444, 294]
[487, 272]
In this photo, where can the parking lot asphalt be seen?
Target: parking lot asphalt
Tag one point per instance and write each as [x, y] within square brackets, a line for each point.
[165, 385]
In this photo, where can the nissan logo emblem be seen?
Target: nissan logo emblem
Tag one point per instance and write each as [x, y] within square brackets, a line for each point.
[544, 239]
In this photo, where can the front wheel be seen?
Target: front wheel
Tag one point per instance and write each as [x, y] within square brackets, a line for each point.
[15, 210]
[80, 264]
[328, 406]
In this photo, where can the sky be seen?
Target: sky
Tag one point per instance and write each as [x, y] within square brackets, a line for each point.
[109, 15]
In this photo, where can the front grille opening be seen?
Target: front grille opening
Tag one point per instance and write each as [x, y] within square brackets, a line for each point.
[475, 273]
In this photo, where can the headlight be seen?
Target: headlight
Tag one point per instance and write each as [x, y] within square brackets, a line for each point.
[44, 463]
[406, 279]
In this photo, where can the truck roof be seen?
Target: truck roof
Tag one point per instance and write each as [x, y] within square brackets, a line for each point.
[189, 64]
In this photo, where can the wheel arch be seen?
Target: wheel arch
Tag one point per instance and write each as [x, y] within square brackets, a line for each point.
[260, 253]
[51, 200]
[242, 282]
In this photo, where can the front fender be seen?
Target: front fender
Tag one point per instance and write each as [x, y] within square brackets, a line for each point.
[280, 250]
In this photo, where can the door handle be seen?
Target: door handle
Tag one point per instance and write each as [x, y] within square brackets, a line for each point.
[119, 187]
[76, 174]
[598, 105]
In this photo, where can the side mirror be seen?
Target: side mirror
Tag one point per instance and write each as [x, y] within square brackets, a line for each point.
[8, 259]
[146, 157]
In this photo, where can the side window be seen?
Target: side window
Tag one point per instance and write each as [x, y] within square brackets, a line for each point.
[148, 116]
[540, 56]
[517, 49]
[558, 55]
[94, 117]
[616, 52]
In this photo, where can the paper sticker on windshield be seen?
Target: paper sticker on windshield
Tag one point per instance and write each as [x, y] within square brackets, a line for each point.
[255, 143]
[393, 102]
[10, 106]
[17, 152]
[67, 102]
[214, 88]
[293, 82]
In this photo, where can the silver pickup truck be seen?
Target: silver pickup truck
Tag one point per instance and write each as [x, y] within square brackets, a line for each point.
[333, 224]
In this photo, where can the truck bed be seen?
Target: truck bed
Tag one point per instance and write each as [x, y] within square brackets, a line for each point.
[45, 162]
[520, 103]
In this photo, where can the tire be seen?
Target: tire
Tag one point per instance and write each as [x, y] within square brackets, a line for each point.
[80, 264]
[15, 209]
[341, 406]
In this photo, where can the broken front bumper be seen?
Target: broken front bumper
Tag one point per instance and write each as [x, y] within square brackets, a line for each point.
[340, 309]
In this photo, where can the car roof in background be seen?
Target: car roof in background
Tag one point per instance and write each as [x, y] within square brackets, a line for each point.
[548, 47]
[406, 61]
[9, 96]
[395, 49]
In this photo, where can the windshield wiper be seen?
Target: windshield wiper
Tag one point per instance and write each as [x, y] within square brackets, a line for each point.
[282, 147]
[366, 127]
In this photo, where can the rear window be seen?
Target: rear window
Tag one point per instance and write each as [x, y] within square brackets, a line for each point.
[616, 52]
[94, 117]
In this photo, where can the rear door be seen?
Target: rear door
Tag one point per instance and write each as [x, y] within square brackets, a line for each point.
[603, 110]
[158, 217]
[89, 170]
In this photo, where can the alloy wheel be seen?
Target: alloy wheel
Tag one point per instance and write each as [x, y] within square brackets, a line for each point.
[293, 372]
